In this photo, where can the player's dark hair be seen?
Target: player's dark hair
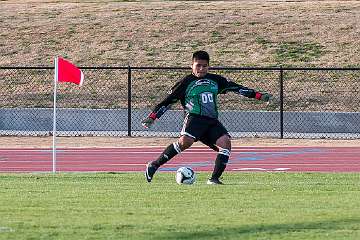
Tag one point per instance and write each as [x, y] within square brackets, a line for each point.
[201, 55]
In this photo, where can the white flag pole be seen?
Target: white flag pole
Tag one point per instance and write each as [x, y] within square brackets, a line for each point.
[56, 75]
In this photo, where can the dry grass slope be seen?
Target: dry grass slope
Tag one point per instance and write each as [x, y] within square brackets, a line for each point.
[165, 33]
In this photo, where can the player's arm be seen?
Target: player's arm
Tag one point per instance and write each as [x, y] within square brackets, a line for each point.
[246, 92]
[158, 111]
[163, 106]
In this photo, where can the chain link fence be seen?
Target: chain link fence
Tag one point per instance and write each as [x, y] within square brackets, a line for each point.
[321, 103]
[308, 103]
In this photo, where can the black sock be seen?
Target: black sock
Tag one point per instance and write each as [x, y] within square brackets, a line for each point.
[169, 152]
[220, 165]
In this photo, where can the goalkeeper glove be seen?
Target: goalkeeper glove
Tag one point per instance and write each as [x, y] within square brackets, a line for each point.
[265, 97]
[149, 121]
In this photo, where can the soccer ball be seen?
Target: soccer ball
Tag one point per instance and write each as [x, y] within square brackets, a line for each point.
[185, 175]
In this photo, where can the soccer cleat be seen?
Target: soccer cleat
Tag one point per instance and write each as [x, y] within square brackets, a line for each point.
[150, 171]
[213, 182]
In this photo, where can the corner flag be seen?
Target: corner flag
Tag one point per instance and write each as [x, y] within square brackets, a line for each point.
[65, 71]
[68, 72]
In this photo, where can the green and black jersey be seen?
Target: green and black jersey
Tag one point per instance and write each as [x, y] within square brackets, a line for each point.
[198, 96]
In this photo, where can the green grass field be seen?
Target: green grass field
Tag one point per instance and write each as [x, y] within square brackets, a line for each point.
[124, 206]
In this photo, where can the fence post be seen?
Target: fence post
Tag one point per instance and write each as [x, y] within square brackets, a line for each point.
[281, 102]
[129, 101]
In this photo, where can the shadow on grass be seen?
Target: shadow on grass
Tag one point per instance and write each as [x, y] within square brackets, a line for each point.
[273, 229]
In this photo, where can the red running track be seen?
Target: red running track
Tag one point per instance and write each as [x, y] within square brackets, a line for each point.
[290, 159]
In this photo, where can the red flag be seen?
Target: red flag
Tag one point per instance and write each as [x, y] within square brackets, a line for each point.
[68, 72]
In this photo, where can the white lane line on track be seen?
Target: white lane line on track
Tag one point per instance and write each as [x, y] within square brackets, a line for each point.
[260, 169]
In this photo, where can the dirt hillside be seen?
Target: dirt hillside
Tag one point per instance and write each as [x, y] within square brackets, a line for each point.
[165, 33]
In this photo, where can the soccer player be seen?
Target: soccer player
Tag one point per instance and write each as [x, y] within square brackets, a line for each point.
[197, 93]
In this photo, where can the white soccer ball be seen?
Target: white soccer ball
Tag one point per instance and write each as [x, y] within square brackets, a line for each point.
[185, 175]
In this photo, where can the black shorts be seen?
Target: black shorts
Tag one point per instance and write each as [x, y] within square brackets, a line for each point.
[204, 129]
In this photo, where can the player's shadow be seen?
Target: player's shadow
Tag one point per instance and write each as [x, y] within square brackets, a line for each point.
[248, 231]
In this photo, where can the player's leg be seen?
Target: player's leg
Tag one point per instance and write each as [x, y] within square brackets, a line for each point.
[173, 149]
[221, 138]
[185, 141]
[170, 151]
[224, 145]
[192, 128]
[210, 145]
